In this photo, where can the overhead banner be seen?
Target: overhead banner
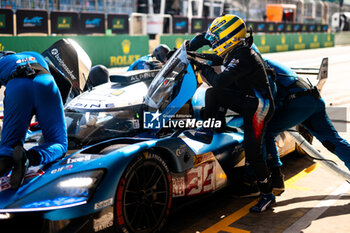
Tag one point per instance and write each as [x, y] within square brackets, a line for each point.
[180, 24]
[198, 25]
[31, 21]
[285, 27]
[118, 23]
[256, 26]
[92, 23]
[294, 41]
[64, 22]
[281, 27]
[6, 21]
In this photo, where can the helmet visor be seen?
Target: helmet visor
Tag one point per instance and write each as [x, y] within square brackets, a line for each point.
[212, 38]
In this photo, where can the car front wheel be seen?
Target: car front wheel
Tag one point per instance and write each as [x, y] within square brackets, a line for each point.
[143, 197]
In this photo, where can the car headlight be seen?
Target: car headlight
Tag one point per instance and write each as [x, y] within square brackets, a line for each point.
[77, 182]
[69, 190]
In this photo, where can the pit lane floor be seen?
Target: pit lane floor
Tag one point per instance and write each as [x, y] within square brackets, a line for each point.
[316, 200]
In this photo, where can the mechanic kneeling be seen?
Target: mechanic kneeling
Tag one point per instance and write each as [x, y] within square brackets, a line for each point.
[30, 90]
[297, 102]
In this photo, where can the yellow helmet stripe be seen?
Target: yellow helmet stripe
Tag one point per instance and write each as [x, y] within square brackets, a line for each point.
[231, 34]
[230, 29]
[217, 29]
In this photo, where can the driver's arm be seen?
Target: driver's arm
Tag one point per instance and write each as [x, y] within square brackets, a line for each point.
[198, 42]
[226, 78]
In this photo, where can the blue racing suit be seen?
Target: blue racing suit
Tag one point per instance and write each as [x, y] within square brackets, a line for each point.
[26, 96]
[307, 109]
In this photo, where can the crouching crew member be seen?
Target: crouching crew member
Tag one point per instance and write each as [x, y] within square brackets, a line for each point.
[30, 90]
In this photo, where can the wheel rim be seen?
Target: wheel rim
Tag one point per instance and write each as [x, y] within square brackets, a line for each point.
[145, 197]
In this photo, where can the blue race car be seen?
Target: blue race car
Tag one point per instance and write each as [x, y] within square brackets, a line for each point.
[127, 184]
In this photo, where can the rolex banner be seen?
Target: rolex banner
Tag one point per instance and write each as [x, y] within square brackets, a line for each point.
[64, 22]
[31, 21]
[6, 21]
[118, 23]
[198, 25]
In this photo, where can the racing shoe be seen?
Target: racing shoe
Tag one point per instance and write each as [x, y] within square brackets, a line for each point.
[247, 189]
[20, 167]
[5, 164]
[277, 181]
[265, 202]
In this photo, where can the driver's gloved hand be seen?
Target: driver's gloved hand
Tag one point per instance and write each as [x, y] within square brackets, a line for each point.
[199, 65]
[154, 65]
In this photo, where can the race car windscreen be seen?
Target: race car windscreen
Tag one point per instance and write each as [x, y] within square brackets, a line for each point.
[87, 127]
[166, 80]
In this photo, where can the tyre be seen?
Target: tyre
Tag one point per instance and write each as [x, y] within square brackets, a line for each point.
[143, 197]
[305, 133]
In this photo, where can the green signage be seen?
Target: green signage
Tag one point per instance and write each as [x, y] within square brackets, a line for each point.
[118, 23]
[111, 51]
[64, 22]
[269, 43]
[2, 20]
[198, 25]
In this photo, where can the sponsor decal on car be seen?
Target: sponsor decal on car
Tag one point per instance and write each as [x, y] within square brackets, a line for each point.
[94, 105]
[202, 158]
[23, 60]
[67, 167]
[118, 92]
[179, 186]
[56, 54]
[180, 151]
[31, 173]
[103, 222]
[157, 157]
[103, 204]
[200, 179]
[78, 158]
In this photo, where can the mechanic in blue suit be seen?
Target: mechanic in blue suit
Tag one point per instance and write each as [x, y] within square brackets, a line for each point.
[297, 102]
[30, 90]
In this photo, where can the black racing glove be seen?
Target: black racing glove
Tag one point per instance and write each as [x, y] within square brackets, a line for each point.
[199, 65]
[154, 65]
